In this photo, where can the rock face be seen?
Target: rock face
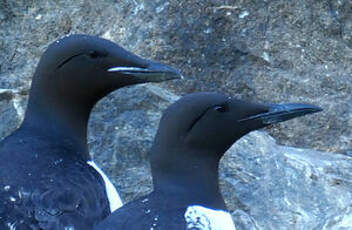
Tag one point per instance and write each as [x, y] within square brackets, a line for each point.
[273, 51]
[280, 187]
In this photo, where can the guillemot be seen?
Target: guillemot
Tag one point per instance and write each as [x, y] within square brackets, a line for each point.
[47, 178]
[193, 135]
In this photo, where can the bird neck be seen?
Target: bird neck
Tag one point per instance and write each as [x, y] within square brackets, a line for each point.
[59, 118]
[190, 180]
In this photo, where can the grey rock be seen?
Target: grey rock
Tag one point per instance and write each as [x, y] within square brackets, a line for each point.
[12, 104]
[260, 50]
[121, 131]
[281, 187]
[269, 51]
[243, 220]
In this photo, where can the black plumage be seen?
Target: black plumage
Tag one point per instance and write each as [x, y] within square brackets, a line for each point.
[193, 135]
[45, 181]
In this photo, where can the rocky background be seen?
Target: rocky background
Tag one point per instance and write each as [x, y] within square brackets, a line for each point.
[262, 50]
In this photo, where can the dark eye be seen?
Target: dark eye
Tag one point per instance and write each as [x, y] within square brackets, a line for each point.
[221, 108]
[96, 54]
[93, 54]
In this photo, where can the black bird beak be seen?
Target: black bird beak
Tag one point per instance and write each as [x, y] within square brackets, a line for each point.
[154, 72]
[283, 112]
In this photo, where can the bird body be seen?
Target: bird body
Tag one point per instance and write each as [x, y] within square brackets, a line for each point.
[113, 196]
[155, 212]
[199, 217]
[45, 186]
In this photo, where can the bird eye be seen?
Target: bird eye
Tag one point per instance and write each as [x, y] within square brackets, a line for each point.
[94, 54]
[221, 108]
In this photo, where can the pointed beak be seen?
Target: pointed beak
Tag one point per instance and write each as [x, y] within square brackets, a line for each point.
[154, 72]
[283, 112]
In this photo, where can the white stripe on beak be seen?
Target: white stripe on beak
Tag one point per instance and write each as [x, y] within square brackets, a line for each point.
[125, 68]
